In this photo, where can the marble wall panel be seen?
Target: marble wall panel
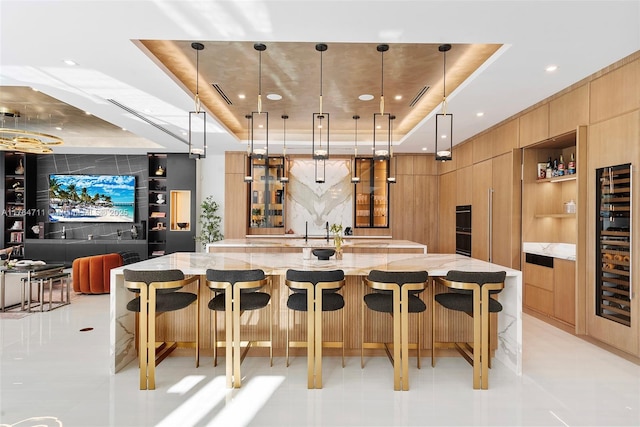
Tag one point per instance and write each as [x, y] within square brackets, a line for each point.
[314, 204]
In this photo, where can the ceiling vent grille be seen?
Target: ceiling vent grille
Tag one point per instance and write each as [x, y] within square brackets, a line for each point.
[418, 96]
[146, 120]
[224, 96]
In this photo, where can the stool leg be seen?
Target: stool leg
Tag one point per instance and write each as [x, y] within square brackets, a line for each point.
[485, 340]
[404, 346]
[214, 315]
[317, 312]
[228, 326]
[143, 353]
[151, 340]
[286, 350]
[236, 338]
[477, 338]
[396, 340]
[50, 294]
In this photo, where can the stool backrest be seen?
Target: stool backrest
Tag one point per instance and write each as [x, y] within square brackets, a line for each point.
[315, 277]
[134, 277]
[479, 277]
[248, 280]
[377, 279]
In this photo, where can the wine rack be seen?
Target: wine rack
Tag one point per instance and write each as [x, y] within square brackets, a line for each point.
[613, 250]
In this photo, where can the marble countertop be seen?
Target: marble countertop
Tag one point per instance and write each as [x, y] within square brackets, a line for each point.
[357, 264]
[314, 237]
[316, 243]
[556, 250]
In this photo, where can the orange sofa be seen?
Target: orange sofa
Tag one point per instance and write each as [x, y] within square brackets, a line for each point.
[90, 274]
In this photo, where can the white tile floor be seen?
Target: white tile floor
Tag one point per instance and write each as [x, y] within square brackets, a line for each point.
[49, 368]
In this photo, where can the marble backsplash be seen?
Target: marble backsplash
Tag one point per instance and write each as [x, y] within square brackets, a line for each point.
[314, 204]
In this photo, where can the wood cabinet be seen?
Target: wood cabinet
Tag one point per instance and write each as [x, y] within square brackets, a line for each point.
[549, 287]
[496, 214]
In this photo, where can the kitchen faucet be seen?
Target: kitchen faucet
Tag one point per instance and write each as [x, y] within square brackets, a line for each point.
[306, 231]
[327, 226]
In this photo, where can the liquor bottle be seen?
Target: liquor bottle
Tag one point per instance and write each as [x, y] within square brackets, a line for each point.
[549, 170]
[561, 166]
[572, 165]
[64, 233]
[554, 172]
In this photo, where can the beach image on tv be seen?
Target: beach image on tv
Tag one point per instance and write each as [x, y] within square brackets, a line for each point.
[92, 198]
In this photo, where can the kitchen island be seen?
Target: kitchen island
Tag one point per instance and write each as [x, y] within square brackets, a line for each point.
[296, 244]
[275, 265]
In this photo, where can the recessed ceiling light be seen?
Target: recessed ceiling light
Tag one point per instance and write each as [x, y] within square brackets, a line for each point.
[398, 97]
[87, 113]
[480, 114]
[124, 129]
[58, 128]
[551, 68]
[424, 148]
[34, 89]
[365, 97]
[241, 96]
[70, 62]
[274, 97]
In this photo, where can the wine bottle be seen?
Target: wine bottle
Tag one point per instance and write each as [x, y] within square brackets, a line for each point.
[554, 172]
[561, 166]
[549, 170]
[572, 165]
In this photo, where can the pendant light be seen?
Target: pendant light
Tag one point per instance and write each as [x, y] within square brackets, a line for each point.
[320, 130]
[444, 121]
[285, 173]
[382, 120]
[259, 118]
[197, 138]
[354, 163]
[392, 167]
[248, 164]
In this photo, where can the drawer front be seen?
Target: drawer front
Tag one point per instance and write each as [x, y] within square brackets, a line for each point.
[538, 276]
[538, 299]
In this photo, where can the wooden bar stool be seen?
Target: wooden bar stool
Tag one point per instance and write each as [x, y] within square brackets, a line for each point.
[470, 292]
[235, 292]
[157, 294]
[396, 293]
[315, 292]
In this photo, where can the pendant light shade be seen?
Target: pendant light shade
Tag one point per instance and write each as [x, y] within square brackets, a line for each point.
[285, 172]
[444, 120]
[354, 162]
[382, 120]
[259, 119]
[197, 118]
[248, 166]
[392, 166]
[320, 130]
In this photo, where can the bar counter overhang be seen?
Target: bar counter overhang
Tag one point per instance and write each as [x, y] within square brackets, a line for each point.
[355, 265]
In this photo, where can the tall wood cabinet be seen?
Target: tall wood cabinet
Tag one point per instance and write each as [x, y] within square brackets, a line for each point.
[496, 210]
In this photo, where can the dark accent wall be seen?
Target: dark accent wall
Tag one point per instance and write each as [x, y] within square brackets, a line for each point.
[107, 164]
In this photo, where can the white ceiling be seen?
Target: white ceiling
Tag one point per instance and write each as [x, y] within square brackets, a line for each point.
[580, 37]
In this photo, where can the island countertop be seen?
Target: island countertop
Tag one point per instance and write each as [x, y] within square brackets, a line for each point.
[293, 244]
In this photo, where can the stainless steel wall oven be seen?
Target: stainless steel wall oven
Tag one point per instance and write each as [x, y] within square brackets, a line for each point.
[463, 230]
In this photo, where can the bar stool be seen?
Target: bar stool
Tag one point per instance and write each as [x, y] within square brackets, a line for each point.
[314, 292]
[396, 293]
[237, 291]
[158, 293]
[470, 292]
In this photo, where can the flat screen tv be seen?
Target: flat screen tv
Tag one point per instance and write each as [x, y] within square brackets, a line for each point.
[92, 198]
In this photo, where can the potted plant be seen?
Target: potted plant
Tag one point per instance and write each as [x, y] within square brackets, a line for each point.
[209, 222]
[336, 229]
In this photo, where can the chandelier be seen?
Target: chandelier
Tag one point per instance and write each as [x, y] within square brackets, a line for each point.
[23, 140]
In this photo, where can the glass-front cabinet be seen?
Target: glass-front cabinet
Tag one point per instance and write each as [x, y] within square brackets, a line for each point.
[613, 244]
[371, 193]
[267, 193]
